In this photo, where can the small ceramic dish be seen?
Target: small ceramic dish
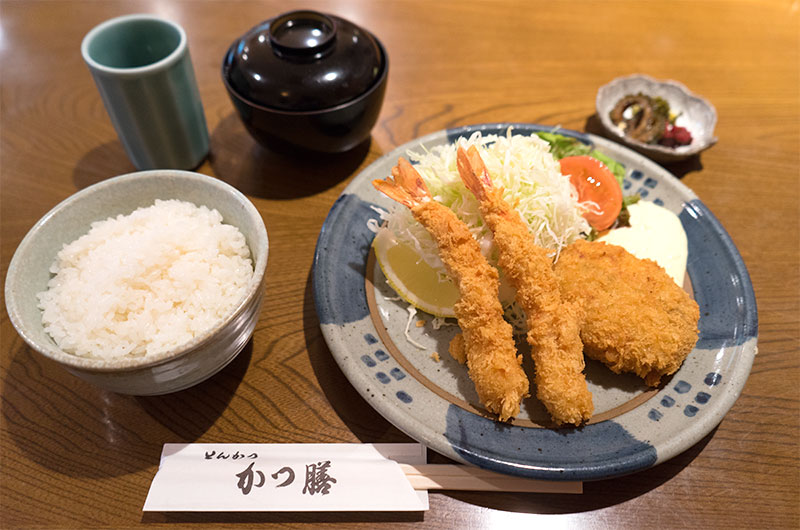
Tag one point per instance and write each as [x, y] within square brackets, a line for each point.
[695, 114]
[165, 372]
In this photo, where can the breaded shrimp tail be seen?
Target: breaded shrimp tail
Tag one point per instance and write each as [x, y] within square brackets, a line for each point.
[491, 355]
[553, 331]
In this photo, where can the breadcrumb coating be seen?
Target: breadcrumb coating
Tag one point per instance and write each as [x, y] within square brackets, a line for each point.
[634, 318]
[553, 331]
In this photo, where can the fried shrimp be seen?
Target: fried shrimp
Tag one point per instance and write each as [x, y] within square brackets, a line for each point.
[636, 318]
[492, 360]
[553, 331]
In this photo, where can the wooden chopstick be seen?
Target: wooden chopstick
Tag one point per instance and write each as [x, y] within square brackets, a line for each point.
[457, 477]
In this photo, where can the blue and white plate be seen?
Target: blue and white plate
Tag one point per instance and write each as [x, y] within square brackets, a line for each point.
[434, 402]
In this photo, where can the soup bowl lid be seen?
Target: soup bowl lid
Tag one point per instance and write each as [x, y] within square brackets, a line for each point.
[303, 61]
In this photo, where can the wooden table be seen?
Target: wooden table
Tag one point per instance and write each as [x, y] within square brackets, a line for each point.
[76, 456]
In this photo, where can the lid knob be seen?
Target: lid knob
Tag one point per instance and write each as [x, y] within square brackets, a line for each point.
[302, 34]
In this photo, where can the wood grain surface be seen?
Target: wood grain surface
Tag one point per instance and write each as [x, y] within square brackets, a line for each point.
[74, 456]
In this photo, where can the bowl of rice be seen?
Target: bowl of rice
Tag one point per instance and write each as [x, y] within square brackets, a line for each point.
[144, 284]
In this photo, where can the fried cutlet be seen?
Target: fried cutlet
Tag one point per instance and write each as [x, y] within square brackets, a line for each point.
[634, 318]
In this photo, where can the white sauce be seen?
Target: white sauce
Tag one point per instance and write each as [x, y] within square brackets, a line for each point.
[655, 233]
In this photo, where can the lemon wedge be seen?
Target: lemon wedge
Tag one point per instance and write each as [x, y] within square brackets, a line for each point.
[412, 278]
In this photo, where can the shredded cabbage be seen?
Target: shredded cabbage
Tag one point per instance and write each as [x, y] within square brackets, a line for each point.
[532, 183]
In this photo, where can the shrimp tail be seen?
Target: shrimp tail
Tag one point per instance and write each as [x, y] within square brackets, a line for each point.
[473, 172]
[404, 186]
[390, 188]
[410, 180]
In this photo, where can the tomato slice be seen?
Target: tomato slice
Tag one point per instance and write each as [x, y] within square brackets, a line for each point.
[594, 182]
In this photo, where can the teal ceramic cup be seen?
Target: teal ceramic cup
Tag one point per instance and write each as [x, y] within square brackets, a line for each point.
[142, 68]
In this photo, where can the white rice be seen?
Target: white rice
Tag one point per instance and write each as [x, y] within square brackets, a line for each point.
[144, 283]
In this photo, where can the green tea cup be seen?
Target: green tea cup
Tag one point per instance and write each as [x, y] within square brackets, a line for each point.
[142, 68]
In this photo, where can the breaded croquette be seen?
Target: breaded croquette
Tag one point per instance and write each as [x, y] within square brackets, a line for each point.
[634, 317]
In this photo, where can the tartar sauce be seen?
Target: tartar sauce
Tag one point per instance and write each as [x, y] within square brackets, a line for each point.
[655, 233]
